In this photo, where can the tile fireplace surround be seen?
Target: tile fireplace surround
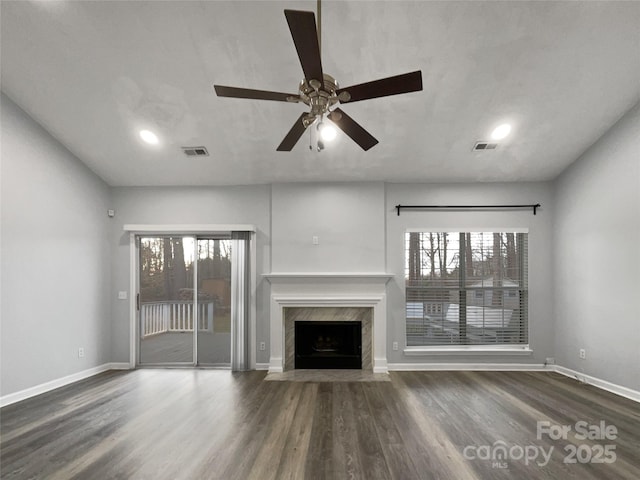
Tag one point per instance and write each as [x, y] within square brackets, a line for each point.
[324, 297]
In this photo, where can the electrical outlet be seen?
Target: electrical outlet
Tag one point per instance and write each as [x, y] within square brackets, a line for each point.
[263, 346]
[550, 361]
[395, 345]
[80, 352]
[583, 353]
[315, 240]
[122, 295]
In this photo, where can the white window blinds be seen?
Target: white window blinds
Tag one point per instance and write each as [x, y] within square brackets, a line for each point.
[466, 288]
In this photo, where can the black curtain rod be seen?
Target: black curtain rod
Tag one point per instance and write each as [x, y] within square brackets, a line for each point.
[465, 207]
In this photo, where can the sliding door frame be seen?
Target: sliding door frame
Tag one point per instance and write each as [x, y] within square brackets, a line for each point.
[136, 230]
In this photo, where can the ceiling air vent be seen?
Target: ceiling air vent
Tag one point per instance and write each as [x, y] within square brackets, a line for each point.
[195, 151]
[484, 146]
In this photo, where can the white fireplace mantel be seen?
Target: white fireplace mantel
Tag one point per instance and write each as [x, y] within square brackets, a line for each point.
[290, 289]
[288, 276]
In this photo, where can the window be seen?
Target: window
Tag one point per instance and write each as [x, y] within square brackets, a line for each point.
[466, 288]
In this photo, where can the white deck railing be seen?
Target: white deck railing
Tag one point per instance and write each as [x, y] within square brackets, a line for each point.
[174, 316]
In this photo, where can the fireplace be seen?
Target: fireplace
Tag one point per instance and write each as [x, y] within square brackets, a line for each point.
[332, 317]
[328, 344]
[328, 297]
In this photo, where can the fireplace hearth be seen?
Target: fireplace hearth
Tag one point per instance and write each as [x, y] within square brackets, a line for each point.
[335, 345]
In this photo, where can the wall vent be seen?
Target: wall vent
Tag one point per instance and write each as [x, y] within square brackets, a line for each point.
[195, 151]
[484, 146]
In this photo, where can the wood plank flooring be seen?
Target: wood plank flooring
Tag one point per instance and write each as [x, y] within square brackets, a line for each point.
[208, 424]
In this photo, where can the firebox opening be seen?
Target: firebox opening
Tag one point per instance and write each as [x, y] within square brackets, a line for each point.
[328, 345]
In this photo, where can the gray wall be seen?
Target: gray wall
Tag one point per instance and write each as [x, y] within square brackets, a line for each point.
[56, 258]
[597, 257]
[540, 263]
[187, 205]
[347, 218]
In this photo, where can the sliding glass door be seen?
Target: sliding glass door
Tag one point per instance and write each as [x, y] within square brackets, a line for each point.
[193, 300]
[214, 301]
[166, 300]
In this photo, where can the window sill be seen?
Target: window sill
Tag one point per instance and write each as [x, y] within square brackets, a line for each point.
[469, 350]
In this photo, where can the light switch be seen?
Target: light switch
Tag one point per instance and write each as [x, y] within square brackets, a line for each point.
[122, 295]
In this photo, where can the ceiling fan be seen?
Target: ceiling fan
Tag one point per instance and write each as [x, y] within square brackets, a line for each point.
[321, 91]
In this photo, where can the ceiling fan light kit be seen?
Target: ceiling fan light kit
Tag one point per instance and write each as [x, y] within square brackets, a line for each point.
[327, 132]
[320, 91]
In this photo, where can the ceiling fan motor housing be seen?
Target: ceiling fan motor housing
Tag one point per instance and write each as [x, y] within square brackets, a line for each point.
[319, 98]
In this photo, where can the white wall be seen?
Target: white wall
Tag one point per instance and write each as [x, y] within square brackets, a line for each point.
[187, 205]
[347, 218]
[540, 266]
[597, 258]
[56, 258]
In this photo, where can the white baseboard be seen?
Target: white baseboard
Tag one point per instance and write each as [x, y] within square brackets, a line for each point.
[119, 366]
[400, 367]
[598, 382]
[262, 366]
[59, 382]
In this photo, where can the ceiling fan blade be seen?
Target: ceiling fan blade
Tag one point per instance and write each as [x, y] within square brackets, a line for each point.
[235, 92]
[305, 37]
[293, 136]
[405, 83]
[349, 126]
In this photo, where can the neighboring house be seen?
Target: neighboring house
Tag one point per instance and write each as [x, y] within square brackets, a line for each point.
[440, 317]
[481, 293]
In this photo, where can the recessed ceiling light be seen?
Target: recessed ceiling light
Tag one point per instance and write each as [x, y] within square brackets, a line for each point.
[149, 137]
[501, 131]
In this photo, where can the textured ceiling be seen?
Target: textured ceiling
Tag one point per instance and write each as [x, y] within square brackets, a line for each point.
[94, 73]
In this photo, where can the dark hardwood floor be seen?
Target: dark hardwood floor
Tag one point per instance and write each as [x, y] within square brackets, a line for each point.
[207, 424]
